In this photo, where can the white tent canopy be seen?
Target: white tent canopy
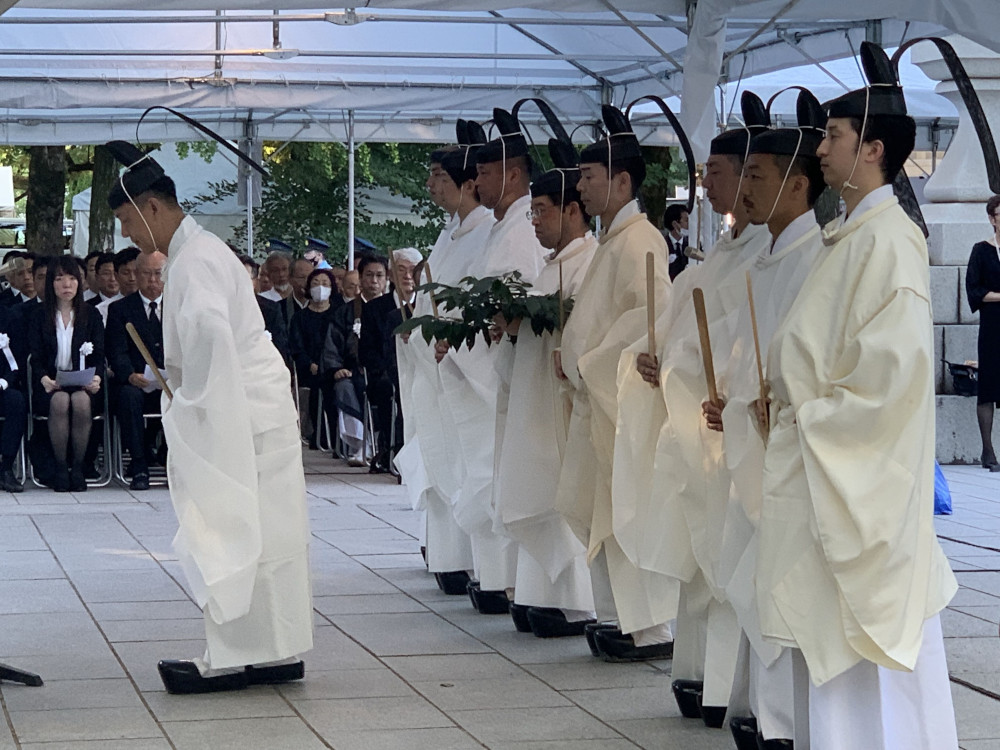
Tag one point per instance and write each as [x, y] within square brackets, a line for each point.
[81, 71]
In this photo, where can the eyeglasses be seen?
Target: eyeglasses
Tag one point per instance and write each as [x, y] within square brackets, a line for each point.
[536, 213]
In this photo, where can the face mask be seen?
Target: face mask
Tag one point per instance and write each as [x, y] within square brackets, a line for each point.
[320, 293]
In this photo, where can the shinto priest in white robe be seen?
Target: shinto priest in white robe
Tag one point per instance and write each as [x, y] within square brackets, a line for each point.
[608, 315]
[471, 381]
[777, 274]
[235, 461]
[429, 454]
[849, 570]
[670, 499]
[531, 451]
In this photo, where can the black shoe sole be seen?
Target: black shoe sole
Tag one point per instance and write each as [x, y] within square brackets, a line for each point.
[616, 651]
[590, 631]
[744, 731]
[714, 716]
[181, 679]
[277, 674]
[490, 602]
[454, 583]
[546, 623]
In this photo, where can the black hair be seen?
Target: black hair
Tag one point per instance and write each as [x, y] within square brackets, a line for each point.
[992, 205]
[103, 259]
[367, 260]
[898, 134]
[321, 272]
[439, 153]
[12, 254]
[81, 261]
[64, 264]
[126, 256]
[247, 261]
[636, 169]
[91, 254]
[806, 166]
[673, 213]
[163, 189]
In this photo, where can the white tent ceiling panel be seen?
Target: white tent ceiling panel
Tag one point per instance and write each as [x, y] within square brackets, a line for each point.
[673, 7]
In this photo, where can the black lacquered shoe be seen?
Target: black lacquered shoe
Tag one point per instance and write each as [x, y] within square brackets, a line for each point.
[763, 744]
[687, 693]
[590, 631]
[9, 483]
[615, 646]
[714, 716]
[181, 677]
[519, 614]
[744, 730]
[277, 674]
[490, 602]
[546, 622]
[453, 583]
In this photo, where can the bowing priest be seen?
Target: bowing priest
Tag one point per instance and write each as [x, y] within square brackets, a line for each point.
[849, 573]
[552, 591]
[781, 185]
[608, 315]
[235, 461]
[671, 502]
[470, 377]
[428, 462]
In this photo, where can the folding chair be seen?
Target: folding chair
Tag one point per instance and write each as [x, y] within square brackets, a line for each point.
[157, 475]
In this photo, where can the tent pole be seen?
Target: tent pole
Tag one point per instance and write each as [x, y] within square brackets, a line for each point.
[250, 213]
[350, 188]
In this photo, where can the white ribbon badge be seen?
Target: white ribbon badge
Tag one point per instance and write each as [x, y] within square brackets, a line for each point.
[86, 349]
[5, 345]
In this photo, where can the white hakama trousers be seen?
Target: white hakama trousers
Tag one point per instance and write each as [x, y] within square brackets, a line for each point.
[707, 641]
[875, 708]
[645, 601]
[496, 560]
[279, 624]
[764, 691]
[449, 548]
[570, 590]
[600, 585]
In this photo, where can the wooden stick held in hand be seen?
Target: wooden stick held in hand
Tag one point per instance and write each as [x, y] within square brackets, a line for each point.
[427, 273]
[756, 338]
[562, 311]
[706, 345]
[134, 334]
[650, 305]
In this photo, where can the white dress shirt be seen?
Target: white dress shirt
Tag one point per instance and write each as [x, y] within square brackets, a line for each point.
[64, 342]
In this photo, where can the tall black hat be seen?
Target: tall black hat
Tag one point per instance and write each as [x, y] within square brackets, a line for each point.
[798, 141]
[736, 142]
[143, 173]
[460, 162]
[509, 144]
[560, 182]
[619, 146]
[882, 96]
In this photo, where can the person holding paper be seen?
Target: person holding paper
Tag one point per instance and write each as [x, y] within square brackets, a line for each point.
[13, 406]
[68, 339]
[137, 389]
[235, 460]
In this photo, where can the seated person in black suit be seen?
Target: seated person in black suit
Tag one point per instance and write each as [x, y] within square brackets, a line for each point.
[142, 309]
[377, 352]
[104, 275]
[274, 323]
[308, 332]
[20, 275]
[68, 335]
[13, 404]
[126, 263]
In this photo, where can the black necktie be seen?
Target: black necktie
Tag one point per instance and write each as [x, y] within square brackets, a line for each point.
[153, 318]
[157, 326]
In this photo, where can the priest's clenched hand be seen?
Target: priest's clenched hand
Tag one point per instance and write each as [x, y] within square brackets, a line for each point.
[761, 414]
[649, 368]
[713, 414]
[440, 349]
[557, 361]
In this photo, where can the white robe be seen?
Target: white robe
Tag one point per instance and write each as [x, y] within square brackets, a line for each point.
[849, 567]
[429, 457]
[471, 381]
[609, 314]
[235, 461]
[765, 684]
[530, 454]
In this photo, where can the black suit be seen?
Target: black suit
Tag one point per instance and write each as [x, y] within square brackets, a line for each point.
[274, 324]
[377, 353]
[13, 404]
[10, 297]
[676, 248]
[124, 360]
[43, 349]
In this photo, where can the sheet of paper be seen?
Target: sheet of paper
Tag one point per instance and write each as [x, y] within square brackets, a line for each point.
[75, 378]
[154, 384]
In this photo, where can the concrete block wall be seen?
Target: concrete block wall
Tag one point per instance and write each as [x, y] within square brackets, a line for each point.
[956, 328]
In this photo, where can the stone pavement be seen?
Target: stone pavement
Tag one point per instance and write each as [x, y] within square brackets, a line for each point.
[91, 598]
